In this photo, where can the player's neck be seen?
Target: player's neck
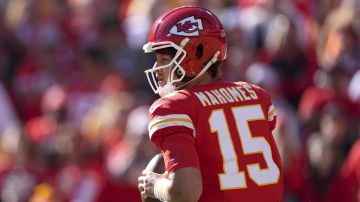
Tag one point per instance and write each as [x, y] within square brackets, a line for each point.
[202, 80]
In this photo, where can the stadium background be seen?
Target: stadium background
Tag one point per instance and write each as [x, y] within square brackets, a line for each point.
[74, 98]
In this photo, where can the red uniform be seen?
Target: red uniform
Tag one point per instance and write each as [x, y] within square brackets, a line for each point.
[351, 168]
[223, 129]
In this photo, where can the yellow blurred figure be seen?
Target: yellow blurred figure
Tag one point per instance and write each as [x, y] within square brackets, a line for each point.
[43, 193]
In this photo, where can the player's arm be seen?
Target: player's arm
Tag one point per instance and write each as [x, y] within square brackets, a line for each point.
[154, 165]
[183, 165]
[171, 129]
[149, 199]
[183, 183]
[186, 185]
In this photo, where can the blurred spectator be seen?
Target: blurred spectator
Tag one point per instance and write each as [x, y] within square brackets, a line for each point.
[338, 42]
[127, 157]
[322, 180]
[17, 185]
[281, 36]
[293, 62]
[330, 86]
[11, 53]
[354, 87]
[10, 128]
[136, 134]
[83, 84]
[44, 193]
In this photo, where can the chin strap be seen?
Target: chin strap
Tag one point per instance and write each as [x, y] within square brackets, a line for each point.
[213, 60]
[168, 88]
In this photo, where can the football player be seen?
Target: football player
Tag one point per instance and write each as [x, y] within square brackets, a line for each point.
[215, 136]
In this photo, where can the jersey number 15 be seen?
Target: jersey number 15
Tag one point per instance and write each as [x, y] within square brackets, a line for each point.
[233, 178]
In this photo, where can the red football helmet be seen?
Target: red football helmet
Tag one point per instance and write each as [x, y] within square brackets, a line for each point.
[198, 37]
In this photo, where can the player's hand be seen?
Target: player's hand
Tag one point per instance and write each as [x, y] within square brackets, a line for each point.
[147, 181]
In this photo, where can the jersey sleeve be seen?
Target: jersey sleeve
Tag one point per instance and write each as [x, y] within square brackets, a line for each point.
[179, 152]
[172, 130]
[269, 109]
[351, 166]
[271, 116]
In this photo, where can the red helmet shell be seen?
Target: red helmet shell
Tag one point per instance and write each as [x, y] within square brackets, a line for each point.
[204, 30]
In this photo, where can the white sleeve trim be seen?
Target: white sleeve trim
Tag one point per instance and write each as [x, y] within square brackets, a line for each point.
[272, 113]
[161, 122]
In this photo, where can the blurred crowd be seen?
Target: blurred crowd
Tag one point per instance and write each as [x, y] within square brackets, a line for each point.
[74, 98]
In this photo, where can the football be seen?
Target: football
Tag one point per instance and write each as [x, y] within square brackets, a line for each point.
[156, 164]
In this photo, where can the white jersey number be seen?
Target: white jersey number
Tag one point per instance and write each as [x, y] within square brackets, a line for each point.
[233, 178]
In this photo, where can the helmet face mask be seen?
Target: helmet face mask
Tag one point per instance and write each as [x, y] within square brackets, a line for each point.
[174, 66]
[198, 38]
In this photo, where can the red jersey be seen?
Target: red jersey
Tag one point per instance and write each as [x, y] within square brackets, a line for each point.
[351, 168]
[224, 129]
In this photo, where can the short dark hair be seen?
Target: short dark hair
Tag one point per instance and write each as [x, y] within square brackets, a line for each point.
[214, 70]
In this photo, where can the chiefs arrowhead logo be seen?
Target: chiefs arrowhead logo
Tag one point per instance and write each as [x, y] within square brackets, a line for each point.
[187, 27]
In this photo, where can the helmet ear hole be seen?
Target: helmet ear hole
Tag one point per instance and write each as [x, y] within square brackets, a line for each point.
[199, 51]
[179, 72]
